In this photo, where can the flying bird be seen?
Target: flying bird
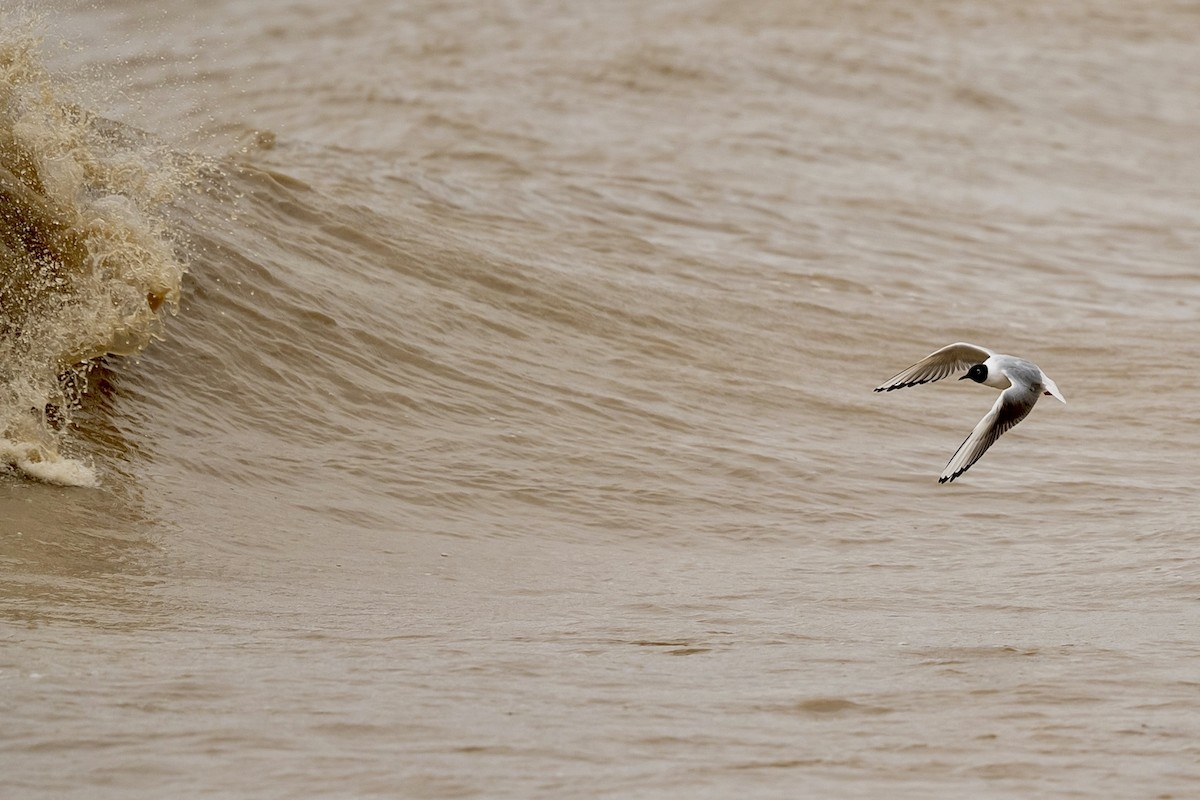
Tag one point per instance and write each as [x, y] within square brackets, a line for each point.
[1021, 383]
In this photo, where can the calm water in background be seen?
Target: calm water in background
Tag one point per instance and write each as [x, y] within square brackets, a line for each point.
[514, 435]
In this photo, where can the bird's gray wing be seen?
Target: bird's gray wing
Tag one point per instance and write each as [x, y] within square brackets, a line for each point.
[950, 359]
[1012, 406]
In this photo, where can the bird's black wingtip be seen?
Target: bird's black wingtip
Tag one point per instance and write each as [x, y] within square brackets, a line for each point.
[949, 478]
[896, 386]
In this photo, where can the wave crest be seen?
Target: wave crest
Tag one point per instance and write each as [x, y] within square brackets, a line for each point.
[87, 264]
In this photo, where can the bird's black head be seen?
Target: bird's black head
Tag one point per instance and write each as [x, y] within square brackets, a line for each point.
[977, 373]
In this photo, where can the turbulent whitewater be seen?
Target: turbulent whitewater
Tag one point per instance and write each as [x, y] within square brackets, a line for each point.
[87, 265]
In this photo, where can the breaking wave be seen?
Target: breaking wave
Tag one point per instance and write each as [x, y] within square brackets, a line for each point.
[87, 263]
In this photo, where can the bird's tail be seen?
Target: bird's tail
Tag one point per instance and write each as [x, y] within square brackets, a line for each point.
[1052, 388]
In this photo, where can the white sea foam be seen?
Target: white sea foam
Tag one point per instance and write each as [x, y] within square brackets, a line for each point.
[40, 463]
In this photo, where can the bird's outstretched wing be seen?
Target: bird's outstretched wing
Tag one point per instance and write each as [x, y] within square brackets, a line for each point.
[1012, 406]
[950, 359]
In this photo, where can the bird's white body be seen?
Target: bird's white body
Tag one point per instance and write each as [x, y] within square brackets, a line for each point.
[1021, 383]
[1003, 371]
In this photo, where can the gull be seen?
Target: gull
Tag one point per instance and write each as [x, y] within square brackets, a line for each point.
[1022, 383]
